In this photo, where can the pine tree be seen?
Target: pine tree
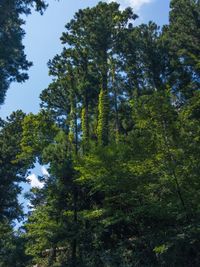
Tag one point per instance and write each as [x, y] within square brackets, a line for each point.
[13, 62]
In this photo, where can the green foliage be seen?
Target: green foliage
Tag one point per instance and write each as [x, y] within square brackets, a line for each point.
[133, 202]
[84, 126]
[38, 131]
[119, 132]
[12, 252]
[13, 62]
[103, 109]
[12, 172]
[185, 32]
[183, 37]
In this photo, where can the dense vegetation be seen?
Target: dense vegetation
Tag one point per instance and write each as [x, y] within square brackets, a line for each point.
[119, 129]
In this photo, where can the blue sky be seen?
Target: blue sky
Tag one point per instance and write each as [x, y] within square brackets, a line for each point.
[42, 42]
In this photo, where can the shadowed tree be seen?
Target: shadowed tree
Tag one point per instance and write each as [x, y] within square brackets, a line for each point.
[13, 62]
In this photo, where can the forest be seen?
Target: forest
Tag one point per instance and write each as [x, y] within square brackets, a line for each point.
[119, 132]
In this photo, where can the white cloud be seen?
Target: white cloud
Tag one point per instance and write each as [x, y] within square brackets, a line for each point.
[34, 182]
[30, 206]
[44, 171]
[135, 4]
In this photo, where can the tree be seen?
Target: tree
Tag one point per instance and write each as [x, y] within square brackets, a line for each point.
[12, 251]
[13, 62]
[184, 36]
[123, 188]
[96, 31]
[11, 171]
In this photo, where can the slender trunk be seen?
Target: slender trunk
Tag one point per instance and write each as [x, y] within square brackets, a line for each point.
[103, 106]
[73, 137]
[85, 123]
[85, 110]
[75, 198]
[116, 115]
[115, 106]
[76, 132]
[52, 256]
[102, 129]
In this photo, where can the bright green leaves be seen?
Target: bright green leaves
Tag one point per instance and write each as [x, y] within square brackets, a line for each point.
[38, 132]
[84, 125]
[44, 232]
[103, 110]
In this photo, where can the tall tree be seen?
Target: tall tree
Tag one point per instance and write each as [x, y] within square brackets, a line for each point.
[11, 171]
[97, 30]
[13, 62]
[183, 38]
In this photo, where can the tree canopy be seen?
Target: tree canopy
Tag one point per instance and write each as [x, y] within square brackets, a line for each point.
[119, 133]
